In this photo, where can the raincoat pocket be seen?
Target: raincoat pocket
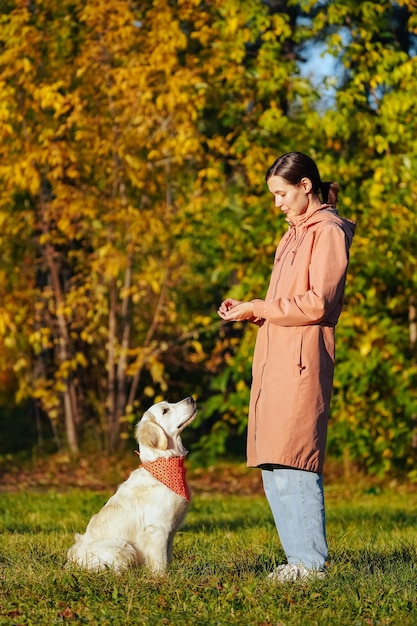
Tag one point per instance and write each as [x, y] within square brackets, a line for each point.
[299, 366]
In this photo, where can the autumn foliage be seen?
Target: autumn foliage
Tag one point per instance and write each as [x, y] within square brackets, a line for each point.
[134, 141]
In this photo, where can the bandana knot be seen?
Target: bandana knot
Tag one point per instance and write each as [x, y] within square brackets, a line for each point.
[170, 472]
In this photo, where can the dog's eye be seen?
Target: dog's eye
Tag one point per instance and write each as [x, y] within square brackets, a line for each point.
[165, 410]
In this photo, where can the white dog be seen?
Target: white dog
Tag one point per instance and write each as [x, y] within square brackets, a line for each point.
[137, 525]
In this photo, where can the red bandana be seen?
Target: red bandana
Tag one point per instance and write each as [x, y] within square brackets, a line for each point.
[170, 472]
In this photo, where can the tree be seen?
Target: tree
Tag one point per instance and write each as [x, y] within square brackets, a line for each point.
[91, 127]
[135, 138]
[373, 129]
[366, 142]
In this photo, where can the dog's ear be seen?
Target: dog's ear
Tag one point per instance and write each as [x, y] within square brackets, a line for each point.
[150, 433]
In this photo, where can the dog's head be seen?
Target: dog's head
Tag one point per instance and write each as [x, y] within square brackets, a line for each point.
[159, 431]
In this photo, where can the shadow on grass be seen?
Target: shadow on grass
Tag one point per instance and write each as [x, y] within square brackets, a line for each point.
[385, 518]
[226, 525]
[350, 567]
[245, 518]
[372, 560]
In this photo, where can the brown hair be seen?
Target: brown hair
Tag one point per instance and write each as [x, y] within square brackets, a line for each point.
[294, 166]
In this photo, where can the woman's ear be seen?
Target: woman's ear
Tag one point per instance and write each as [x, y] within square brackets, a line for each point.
[306, 184]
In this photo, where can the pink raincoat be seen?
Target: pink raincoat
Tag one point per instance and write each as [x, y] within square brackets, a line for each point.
[293, 362]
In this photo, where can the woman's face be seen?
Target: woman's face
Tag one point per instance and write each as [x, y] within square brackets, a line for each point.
[293, 200]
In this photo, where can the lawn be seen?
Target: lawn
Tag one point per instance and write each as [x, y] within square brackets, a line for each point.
[221, 558]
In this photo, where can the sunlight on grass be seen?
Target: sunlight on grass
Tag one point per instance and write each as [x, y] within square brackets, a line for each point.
[221, 558]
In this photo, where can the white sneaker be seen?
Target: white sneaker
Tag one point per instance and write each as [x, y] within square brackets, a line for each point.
[290, 572]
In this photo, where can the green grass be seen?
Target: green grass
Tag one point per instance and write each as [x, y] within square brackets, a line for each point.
[221, 558]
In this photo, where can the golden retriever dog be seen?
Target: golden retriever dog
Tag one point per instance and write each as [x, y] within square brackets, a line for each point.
[138, 523]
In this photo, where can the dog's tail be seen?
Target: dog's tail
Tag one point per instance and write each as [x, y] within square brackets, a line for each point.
[117, 554]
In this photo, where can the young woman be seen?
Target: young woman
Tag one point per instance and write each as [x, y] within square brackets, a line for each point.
[293, 362]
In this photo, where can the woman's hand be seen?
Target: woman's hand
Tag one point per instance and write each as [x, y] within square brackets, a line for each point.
[232, 310]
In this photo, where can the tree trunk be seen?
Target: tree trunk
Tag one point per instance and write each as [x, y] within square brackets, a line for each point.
[122, 363]
[69, 395]
[111, 368]
[412, 321]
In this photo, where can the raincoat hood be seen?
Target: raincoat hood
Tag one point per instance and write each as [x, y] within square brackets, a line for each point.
[322, 214]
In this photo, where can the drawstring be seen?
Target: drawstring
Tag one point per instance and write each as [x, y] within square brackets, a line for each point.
[298, 243]
[290, 235]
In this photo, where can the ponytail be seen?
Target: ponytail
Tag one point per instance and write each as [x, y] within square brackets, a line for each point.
[329, 192]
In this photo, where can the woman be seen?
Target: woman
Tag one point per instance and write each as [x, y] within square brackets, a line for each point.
[293, 362]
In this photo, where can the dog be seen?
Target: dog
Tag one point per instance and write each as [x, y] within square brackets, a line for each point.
[138, 523]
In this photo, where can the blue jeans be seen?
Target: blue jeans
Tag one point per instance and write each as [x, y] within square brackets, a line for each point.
[296, 498]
